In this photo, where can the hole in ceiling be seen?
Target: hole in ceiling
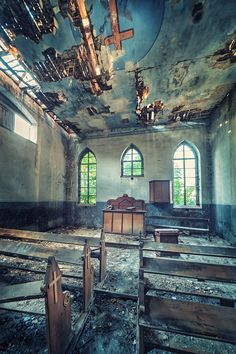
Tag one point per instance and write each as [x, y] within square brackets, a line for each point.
[197, 12]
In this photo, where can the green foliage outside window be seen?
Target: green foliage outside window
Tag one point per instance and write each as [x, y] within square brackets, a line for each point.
[88, 170]
[132, 163]
[186, 181]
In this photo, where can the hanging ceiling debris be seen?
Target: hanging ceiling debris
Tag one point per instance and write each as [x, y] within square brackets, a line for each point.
[148, 114]
[227, 53]
[86, 64]
[30, 18]
[108, 65]
[179, 115]
[73, 62]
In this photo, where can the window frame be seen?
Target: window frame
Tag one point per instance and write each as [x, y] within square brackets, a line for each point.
[196, 159]
[132, 147]
[32, 128]
[82, 155]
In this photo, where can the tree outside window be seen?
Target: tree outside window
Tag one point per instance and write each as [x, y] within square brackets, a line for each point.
[186, 176]
[132, 162]
[87, 178]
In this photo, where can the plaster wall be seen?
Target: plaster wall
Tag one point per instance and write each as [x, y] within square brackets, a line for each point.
[157, 150]
[32, 176]
[223, 152]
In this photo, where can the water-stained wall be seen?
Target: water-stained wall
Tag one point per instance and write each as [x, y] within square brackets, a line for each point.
[157, 150]
[223, 153]
[32, 175]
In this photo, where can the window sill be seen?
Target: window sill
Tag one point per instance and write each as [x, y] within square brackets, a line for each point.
[132, 176]
[87, 205]
[187, 208]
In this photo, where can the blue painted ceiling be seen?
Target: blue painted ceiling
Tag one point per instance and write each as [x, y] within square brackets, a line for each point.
[179, 55]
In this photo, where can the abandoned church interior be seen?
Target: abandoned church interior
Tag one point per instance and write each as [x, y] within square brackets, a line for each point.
[117, 176]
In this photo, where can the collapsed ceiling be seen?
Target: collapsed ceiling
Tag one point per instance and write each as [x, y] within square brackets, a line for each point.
[109, 65]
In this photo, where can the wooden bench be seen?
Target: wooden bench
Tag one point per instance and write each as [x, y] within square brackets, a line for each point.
[183, 220]
[63, 239]
[212, 251]
[39, 252]
[57, 309]
[184, 312]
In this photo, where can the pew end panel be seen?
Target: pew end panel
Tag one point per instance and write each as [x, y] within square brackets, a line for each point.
[88, 278]
[58, 310]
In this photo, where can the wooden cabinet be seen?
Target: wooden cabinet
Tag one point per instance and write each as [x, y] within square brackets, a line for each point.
[123, 221]
[160, 191]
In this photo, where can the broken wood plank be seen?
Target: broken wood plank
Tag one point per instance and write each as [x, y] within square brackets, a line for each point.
[25, 291]
[25, 306]
[172, 217]
[203, 320]
[28, 250]
[48, 237]
[198, 270]
[59, 238]
[38, 271]
[214, 251]
[174, 347]
[221, 300]
[197, 229]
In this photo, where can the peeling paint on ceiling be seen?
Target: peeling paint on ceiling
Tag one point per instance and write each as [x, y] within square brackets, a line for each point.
[184, 50]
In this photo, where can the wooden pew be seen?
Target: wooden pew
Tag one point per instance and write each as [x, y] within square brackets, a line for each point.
[57, 306]
[213, 251]
[184, 312]
[183, 220]
[34, 236]
[39, 252]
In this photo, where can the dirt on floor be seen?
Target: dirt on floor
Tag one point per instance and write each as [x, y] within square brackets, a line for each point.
[111, 325]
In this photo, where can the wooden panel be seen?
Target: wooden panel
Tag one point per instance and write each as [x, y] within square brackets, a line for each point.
[197, 270]
[37, 271]
[27, 250]
[58, 310]
[125, 201]
[229, 252]
[205, 320]
[107, 221]
[48, 237]
[166, 231]
[30, 290]
[127, 223]
[138, 223]
[197, 229]
[88, 272]
[159, 191]
[117, 222]
[180, 218]
[103, 260]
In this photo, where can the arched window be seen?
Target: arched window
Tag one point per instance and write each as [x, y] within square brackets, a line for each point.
[132, 162]
[87, 178]
[186, 176]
